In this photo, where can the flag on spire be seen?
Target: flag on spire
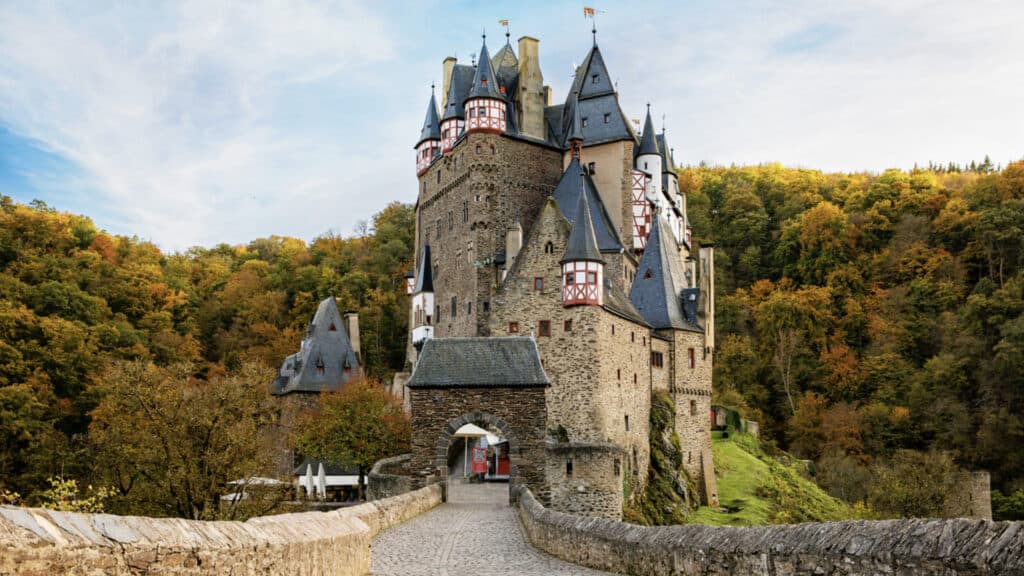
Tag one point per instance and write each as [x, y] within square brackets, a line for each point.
[588, 12]
[503, 22]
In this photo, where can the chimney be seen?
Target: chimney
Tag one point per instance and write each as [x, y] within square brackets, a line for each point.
[530, 105]
[448, 69]
[513, 242]
[707, 287]
[351, 321]
[548, 98]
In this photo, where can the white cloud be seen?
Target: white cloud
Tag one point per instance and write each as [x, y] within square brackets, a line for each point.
[177, 114]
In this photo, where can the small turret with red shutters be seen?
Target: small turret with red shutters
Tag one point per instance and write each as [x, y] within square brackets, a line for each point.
[486, 108]
[582, 265]
[428, 148]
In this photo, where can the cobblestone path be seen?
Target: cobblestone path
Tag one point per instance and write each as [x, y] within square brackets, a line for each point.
[475, 534]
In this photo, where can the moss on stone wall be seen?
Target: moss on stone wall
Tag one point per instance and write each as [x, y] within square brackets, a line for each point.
[669, 492]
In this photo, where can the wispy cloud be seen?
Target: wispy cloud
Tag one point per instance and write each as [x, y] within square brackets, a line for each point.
[177, 114]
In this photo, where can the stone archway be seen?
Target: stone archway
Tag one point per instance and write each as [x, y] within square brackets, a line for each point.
[487, 422]
[495, 382]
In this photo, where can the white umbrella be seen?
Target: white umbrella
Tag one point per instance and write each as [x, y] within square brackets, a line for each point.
[308, 480]
[468, 431]
[321, 482]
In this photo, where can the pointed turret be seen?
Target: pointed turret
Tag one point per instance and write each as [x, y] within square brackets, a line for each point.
[582, 265]
[648, 159]
[423, 301]
[486, 108]
[452, 120]
[428, 148]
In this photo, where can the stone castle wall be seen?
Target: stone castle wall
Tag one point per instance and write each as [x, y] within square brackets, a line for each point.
[389, 477]
[586, 479]
[691, 392]
[901, 547]
[40, 542]
[467, 201]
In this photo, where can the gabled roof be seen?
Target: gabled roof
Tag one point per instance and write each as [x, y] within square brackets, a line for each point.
[425, 273]
[594, 94]
[506, 66]
[657, 287]
[648, 141]
[486, 362]
[582, 245]
[574, 182]
[485, 84]
[462, 79]
[431, 124]
[325, 354]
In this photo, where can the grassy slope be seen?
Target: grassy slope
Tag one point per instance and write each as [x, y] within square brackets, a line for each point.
[756, 489]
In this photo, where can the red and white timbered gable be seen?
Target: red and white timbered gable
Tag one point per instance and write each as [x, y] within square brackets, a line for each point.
[451, 129]
[642, 211]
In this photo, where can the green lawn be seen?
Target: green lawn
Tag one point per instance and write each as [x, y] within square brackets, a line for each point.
[755, 489]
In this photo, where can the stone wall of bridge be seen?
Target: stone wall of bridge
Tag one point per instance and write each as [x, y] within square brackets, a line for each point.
[899, 547]
[35, 541]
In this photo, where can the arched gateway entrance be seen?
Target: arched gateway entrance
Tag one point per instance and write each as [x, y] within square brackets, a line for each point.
[495, 383]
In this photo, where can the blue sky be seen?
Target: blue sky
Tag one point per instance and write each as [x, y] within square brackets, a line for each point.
[199, 122]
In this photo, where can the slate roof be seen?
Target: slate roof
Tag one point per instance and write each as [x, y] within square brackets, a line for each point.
[424, 274]
[485, 84]
[566, 194]
[462, 79]
[617, 302]
[658, 286]
[595, 100]
[506, 66]
[479, 363]
[431, 124]
[648, 141]
[582, 246]
[668, 164]
[320, 363]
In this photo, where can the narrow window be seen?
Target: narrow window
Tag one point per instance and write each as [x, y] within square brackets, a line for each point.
[692, 358]
[469, 307]
[513, 327]
[584, 121]
[568, 467]
[487, 306]
[538, 283]
[592, 279]
[647, 274]
[617, 467]
[618, 374]
[592, 167]
[594, 78]
[627, 422]
[613, 329]
[607, 118]
[634, 377]
[454, 309]
[567, 326]
[693, 407]
[320, 366]
[451, 220]
[478, 148]
[545, 328]
[465, 211]
[492, 151]
[438, 176]
[645, 165]
[549, 248]
[632, 337]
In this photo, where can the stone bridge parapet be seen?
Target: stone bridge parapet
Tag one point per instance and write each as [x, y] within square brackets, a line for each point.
[899, 547]
[35, 541]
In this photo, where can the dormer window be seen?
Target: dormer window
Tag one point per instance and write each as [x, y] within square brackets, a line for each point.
[594, 78]
[332, 328]
[607, 118]
[483, 82]
[319, 366]
[584, 121]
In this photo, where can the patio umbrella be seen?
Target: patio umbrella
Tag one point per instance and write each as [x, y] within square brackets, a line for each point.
[307, 480]
[321, 482]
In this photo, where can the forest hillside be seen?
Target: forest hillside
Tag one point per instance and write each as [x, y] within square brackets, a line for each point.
[867, 321]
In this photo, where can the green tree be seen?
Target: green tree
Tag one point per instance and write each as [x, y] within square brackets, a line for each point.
[357, 426]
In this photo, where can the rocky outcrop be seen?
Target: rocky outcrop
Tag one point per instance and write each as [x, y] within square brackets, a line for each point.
[902, 547]
[37, 541]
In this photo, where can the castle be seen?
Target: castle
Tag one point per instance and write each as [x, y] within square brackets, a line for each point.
[558, 222]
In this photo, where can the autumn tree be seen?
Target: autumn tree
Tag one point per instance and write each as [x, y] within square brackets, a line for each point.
[356, 426]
